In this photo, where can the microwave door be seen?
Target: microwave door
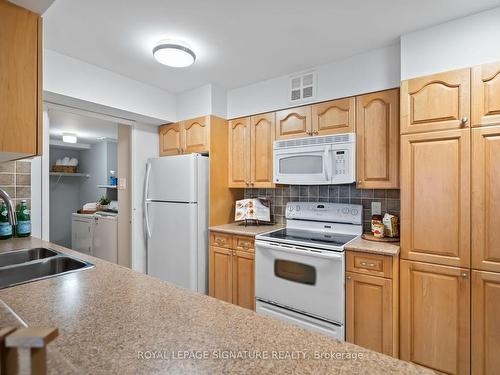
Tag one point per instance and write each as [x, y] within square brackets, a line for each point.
[303, 166]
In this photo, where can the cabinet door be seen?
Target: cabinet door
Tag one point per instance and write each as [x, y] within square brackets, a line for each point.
[196, 135]
[170, 139]
[293, 123]
[370, 327]
[435, 197]
[221, 274]
[435, 317]
[239, 153]
[485, 323]
[20, 78]
[437, 102]
[243, 279]
[377, 130]
[486, 94]
[336, 116]
[261, 150]
[485, 198]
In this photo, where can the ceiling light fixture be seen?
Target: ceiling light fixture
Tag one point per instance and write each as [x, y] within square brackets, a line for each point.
[174, 53]
[69, 138]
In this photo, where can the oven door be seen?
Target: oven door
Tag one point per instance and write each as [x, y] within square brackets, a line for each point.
[306, 165]
[305, 280]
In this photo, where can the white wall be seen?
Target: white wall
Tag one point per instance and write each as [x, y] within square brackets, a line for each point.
[452, 45]
[64, 75]
[205, 100]
[371, 71]
[144, 146]
[94, 162]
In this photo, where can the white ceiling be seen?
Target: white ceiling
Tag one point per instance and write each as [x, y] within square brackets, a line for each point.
[87, 129]
[237, 42]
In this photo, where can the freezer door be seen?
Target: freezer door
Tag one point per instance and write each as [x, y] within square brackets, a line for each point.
[172, 247]
[172, 178]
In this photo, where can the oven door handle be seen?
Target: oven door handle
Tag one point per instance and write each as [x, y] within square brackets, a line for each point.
[300, 250]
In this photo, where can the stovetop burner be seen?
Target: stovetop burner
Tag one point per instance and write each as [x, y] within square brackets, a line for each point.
[317, 238]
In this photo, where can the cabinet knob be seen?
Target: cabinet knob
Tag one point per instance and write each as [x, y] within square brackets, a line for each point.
[464, 121]
[348, 277]
[464, 274]
[316, 132]
[360, 182]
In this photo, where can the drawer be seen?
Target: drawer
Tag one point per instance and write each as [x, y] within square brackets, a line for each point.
[221, 240]
[243, 243]
[370, 264]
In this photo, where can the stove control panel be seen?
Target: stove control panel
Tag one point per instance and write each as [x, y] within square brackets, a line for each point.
[334, 212]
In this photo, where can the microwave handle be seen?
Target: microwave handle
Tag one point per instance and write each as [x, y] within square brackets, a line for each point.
[326, 164]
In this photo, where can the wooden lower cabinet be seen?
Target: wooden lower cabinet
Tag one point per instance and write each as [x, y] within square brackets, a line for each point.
[232, 269]
[435, 316]
[485, 323]
[372, 301]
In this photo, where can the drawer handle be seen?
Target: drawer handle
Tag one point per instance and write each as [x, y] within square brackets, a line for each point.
[220, 241]
[245, 244]
[368, 264]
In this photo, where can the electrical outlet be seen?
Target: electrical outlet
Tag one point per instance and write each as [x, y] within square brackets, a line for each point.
[376, 208]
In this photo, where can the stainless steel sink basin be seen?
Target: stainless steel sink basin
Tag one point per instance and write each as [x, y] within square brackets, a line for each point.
[44, 263]
[26, 255]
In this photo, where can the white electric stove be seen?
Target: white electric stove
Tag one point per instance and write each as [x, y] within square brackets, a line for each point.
[300, 270]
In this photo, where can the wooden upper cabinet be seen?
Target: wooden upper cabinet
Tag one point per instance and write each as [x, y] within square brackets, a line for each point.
[239, 153]
[372, 327]
[485, 198]
[170, 139]
[243, 279]
[293, 123]
[196, 135]
[435, 316]
[261, 150]
[485, 323]
[21, 82]
[333, 117]
[435, 197]
[437, 102]
[485, 94]
[377, 137]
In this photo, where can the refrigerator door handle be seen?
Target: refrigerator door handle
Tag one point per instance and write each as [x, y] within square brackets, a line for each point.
[146, 200]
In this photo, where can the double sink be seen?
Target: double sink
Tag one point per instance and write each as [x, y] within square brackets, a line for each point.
[27, 265]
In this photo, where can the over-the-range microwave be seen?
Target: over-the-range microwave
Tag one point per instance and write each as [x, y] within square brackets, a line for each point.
[321, 160]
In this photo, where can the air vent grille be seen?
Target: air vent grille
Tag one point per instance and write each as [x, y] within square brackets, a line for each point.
[302, 87]
[313, 141]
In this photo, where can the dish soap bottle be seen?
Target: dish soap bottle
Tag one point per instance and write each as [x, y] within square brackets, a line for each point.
[112, 178]
[5, 227]
[23, 220]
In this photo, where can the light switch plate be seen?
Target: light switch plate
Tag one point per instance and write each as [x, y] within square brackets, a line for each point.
[122, 183]
[376, 208]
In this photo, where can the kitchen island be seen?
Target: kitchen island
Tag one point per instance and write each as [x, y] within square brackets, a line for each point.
[114, 320]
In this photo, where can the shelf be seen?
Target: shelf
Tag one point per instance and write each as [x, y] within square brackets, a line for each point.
[62, 174]
[107, 186]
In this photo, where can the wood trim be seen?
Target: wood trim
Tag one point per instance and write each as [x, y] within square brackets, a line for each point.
[485, 95]
[435, 103]
[366, 142]
[39, 130]
[435, 252]
[485, 328]
[369, 264]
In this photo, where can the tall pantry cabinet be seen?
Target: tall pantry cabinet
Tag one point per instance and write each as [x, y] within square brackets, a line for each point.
[450, 215]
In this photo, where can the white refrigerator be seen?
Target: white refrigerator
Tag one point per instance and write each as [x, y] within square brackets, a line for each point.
[176, 216]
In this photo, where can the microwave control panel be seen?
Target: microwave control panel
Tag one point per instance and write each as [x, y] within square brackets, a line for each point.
[341, 162]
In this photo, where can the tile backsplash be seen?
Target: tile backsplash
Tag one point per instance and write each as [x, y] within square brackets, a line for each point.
[15, 179]
[281, 195]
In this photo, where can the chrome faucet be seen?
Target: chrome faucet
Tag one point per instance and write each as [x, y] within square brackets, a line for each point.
[11, 210]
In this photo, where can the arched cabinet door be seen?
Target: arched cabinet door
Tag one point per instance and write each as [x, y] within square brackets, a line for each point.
[261, 150]
[377, 130]
[437, 102]
[170, 139]
[239, 153]
[293, 123]
[486, 94]
[334, 117]
[196, 135]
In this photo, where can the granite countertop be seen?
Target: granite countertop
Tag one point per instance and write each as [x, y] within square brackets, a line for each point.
[382, 248]
[242, 230]
[114, 320]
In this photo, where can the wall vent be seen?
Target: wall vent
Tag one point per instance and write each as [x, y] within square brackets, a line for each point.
[302, 87]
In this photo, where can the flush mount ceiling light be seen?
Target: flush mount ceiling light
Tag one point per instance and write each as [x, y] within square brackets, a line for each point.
[174, 53]
[69, 138]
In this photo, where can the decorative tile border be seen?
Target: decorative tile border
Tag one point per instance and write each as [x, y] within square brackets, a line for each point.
[281, 195]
